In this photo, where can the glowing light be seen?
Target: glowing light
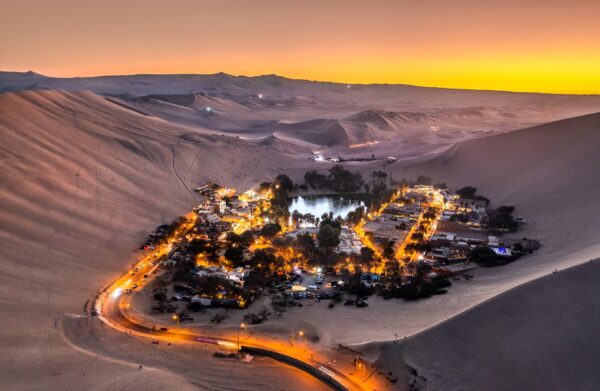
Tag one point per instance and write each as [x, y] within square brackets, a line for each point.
[227, 344]
[366, 143]
[327, 371]
[117, 292]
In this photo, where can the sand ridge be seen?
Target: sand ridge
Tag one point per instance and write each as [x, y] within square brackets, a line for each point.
[84, 179]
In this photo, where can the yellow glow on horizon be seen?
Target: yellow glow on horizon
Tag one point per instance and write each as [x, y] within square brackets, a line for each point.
[497, 44]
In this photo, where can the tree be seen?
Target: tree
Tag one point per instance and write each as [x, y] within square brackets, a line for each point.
[327, 218]
[342, 180]
[305, 244]
[197, 246]
[235, 239]
[270, 230]
[279, 206]
[393, 272]
[309, 218]
[424, 180]
[502, 218]
[388, 250]
[379, 174]
[282, 242]
[235, 255]
[284, 182]
[263, 259]
[366, 255]
[315, 180]
[429, 214]
[247, 237]
[355, 216]
[329, 237]
[296, 217]
[467, 192]
[484, 256]
[263, 187]
[417, 236]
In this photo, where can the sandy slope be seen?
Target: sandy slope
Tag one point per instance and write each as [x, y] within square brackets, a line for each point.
[543, 335]
[324, 113]
[547, 172]
[83, 180]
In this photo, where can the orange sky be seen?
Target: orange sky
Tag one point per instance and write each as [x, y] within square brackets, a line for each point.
[519, 45]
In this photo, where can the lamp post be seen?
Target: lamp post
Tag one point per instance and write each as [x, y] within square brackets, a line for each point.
[359, 365]
[176, 319]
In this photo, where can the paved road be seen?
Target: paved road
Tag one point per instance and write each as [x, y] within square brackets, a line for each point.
[109, 304]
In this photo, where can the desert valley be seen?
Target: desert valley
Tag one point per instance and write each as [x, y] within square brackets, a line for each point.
[92, 165]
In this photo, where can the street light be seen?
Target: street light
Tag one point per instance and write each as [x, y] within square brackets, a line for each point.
[359, 365]
[243, 326]
[176, 318]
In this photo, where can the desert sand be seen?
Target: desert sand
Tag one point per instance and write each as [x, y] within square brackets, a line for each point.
[542, 335]
[91, 165]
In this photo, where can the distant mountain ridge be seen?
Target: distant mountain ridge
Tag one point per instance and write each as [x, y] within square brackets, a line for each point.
[137, 83]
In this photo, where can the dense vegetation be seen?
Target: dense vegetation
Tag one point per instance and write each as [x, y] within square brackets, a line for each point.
[339, 180]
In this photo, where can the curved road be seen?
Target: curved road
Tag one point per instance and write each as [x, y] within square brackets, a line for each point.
[108, 305]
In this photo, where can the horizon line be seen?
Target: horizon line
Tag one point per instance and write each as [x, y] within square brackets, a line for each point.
[303, 79]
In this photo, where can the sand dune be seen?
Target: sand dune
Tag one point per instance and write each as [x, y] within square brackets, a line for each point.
[82, 182]
[84, 178]
[555, 189]
[287, 100]
[539, 336]
[548, 172]
[390, 126]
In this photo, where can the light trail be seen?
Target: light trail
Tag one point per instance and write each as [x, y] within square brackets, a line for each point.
[110, 303]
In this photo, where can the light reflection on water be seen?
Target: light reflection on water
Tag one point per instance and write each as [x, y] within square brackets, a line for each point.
[324, 204]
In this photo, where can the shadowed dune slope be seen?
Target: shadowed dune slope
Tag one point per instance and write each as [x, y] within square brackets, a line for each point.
[543, 335]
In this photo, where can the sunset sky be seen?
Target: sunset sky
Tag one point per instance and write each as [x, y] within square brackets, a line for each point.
[518, 45]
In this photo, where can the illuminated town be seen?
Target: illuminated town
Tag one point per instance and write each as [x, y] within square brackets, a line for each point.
[405, 240]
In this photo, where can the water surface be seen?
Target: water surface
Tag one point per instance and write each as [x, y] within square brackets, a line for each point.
[317, 205]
